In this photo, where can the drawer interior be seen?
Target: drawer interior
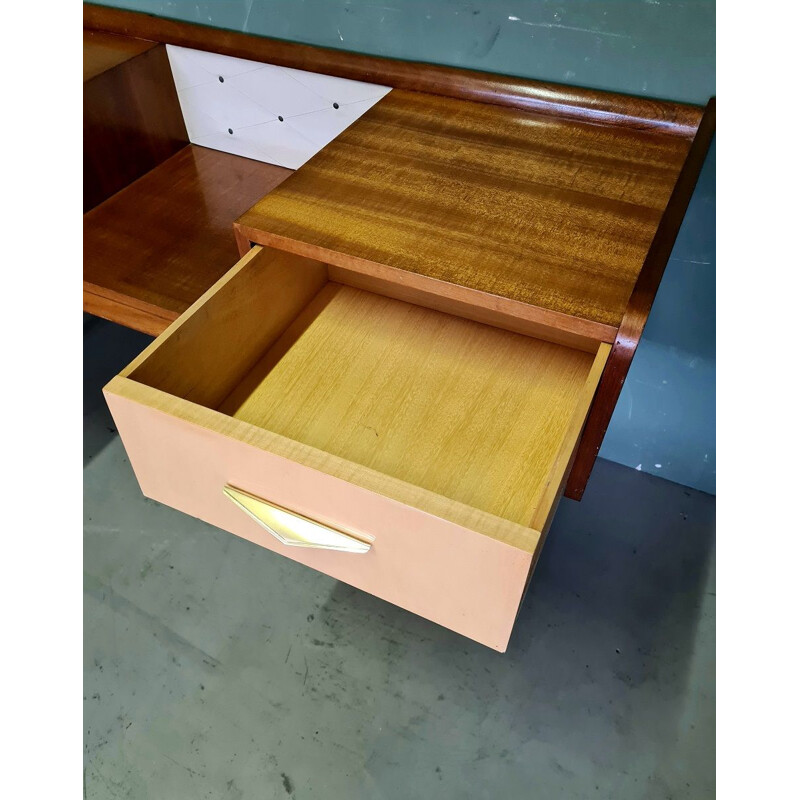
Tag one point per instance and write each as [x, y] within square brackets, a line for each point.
[472, 412]
[468, 411]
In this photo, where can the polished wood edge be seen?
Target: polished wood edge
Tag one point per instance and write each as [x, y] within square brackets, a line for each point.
[639, 305]
[590, 105]
[131, 57]
[137, 57]
[243, 242]
[123, 310]
[413, 282]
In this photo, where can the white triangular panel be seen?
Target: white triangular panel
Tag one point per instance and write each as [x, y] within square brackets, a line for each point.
[240, 113]
[271, 88]
[198, 123]
[268, 142]
[279, 147]
[229, 108]
[338, 90]
[188, 68]
[324, 126]
[193, 63]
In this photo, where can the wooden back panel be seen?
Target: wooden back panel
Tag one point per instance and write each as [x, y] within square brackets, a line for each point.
[131, 117]
[603, 108]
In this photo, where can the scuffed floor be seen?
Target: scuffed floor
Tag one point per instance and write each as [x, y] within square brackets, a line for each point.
[216, 669]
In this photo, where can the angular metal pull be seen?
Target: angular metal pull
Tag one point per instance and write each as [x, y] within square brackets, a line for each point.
[294, 529]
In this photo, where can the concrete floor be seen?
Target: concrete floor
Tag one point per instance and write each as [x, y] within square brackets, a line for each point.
[216, 669]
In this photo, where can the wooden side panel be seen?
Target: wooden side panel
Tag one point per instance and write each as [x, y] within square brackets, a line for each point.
[131, 122]
[638, 309]
[454, 298]
[221, 338]
[451, 575]
[468, 304]
[103, 51]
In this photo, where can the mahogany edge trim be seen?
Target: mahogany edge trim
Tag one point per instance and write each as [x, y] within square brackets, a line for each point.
[125, 310]
[565, 323]
[588, 105]
[114, 66]
[639, 305]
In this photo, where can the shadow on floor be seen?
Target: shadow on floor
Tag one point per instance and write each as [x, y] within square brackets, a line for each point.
[107, 348]
[613, 608]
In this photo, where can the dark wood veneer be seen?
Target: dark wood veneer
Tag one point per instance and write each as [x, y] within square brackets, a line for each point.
[103, 51]
[153, 248]
[638, 309]
[132, 120]
[566, 101]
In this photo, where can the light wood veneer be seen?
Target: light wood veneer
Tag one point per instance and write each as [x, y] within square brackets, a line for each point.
[548, 212]
[436, 423]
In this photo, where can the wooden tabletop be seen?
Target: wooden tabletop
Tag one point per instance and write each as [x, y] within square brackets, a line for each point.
[153, 248]
[544, 210]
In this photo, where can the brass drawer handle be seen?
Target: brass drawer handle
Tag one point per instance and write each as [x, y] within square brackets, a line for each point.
[294, 529]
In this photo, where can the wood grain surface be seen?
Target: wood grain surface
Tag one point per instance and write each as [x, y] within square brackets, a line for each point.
[255, 437]
[132, 119]
[238, 320]
[443, 439]
[103, 51]
[461, 409]
[604, 108]
[153, 248]
[185, 338]
[469, 304]
[553, 213]
[638, 308]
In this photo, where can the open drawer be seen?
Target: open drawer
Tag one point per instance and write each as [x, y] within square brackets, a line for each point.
[414, 453]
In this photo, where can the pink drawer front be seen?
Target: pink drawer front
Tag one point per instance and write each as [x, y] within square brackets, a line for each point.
[457, 577]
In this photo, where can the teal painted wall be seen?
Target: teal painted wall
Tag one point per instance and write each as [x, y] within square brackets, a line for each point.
[665, 421]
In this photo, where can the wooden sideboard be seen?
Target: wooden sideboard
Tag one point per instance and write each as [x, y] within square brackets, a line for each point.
[428, 326]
